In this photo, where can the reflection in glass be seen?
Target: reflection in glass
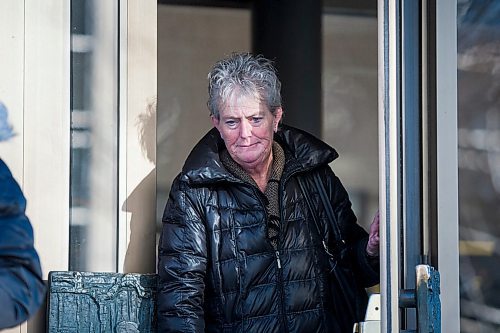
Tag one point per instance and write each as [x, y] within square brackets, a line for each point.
[349, 80]
[93, 183]
[479, 163]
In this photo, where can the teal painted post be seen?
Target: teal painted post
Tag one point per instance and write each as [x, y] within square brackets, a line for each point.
[428, 301]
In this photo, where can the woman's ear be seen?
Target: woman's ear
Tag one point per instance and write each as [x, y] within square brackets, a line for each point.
[277, 118]
[215, 121]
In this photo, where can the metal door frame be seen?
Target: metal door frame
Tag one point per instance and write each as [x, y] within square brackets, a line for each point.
[419, 180]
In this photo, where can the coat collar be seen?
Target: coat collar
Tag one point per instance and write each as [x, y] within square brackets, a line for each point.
[303, 151]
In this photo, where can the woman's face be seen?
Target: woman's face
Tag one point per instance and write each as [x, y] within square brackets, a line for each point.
[247, 126]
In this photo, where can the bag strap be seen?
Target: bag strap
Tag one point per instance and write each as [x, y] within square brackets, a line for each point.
[311, 209]
[328, 208]
[343, 285]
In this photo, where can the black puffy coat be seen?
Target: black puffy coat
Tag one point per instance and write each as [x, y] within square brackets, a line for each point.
[218, 270]
[22, 290]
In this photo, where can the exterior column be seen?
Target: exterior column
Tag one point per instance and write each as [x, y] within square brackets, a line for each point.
[289, 32]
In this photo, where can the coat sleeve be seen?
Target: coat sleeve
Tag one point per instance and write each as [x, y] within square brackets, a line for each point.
[22, 290]
[366, 269]
[182, 264]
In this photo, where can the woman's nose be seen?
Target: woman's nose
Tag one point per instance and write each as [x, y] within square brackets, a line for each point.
[246, 129]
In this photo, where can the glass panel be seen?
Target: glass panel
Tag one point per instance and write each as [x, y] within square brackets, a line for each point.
[350, 122]
[93, 184]
[190, 40]
[479, 164]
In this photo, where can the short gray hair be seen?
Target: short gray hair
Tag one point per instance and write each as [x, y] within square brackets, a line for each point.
[254, 75]
[6, 131]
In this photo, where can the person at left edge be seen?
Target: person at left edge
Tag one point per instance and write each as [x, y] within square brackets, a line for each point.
[22, 290]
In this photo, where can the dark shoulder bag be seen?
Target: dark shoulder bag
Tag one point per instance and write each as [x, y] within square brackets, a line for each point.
[349, 296]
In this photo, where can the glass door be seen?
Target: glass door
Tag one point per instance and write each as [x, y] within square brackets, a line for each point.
[418, 165]
[478, 32]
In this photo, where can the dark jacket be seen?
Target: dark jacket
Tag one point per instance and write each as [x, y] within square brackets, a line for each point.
[218, 270]
[21, 286]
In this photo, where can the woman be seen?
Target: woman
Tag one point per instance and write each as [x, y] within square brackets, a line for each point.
[239, 249]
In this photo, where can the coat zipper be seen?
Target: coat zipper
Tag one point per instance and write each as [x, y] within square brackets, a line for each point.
[279, 277]
[280, 241]
[279, 284]
[278, 259]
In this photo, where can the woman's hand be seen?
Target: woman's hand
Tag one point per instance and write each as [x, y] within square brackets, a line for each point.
[372, 248]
